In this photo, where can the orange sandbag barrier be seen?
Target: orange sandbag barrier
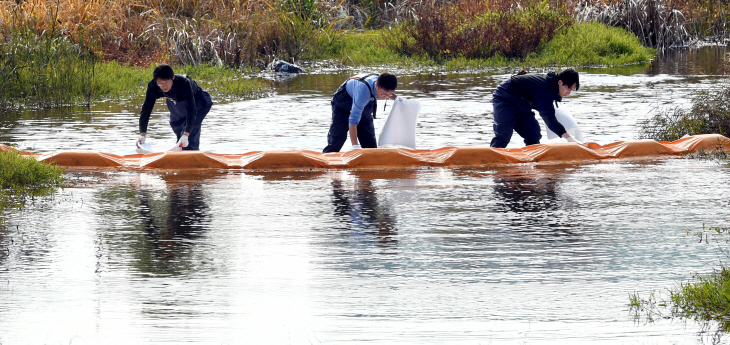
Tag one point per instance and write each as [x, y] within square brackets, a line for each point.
[478, 156]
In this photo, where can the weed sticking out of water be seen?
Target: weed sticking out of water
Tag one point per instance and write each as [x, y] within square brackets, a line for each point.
[705, 299]
[709, 113]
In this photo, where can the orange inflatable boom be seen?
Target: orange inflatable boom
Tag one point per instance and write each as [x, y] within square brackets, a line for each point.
[392, 159]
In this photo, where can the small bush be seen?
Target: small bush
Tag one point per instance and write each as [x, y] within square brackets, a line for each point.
[709, 113]
[477, 29]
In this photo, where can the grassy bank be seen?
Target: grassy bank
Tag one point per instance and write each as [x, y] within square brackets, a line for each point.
[23, 176]
[41, 71]
[70, 52]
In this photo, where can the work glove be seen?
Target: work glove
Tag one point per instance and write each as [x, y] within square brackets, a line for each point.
[356, 146]
[183, 142]
[141, 140]
[573, 140]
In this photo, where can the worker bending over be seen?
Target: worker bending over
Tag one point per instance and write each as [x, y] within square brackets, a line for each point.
[353, 110]
[515, 99]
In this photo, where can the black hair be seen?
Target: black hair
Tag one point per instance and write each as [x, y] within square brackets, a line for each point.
[163, 71]
[569, 77]
[387, 81]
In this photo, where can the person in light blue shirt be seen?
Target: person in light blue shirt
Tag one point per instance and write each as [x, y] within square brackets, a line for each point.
[353, 110]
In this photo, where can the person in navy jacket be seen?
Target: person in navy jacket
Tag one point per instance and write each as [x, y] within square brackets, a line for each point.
[514, 100]
[187, 102]
[353, 110]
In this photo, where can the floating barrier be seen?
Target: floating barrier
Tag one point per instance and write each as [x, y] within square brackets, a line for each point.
[383, 158]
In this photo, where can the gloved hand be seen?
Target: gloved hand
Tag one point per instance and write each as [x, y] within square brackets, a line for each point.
[356, 146]
[183, 142]
[571, 139]
[141, 140]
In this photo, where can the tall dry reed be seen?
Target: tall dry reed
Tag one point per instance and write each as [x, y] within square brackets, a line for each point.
[661, 24]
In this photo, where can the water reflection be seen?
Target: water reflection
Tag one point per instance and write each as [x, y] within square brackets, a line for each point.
[364, 219]
[526, 191]
[178, 224]
[534, 193]
[361, 216]
[167, 217]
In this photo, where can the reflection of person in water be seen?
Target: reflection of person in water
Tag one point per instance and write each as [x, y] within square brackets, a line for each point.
[171, 224]
[360, 209]
[526, 193]
[531, 199]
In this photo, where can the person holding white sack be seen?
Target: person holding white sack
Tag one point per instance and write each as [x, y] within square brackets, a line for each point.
[353, 110]
[570, 125]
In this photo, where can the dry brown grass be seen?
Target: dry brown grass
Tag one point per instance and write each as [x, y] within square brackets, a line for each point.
[661, 24]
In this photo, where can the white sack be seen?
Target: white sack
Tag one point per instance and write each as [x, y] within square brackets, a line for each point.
[569, 123]
[400, 127]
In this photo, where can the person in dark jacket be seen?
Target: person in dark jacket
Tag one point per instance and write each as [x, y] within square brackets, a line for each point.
[515, 99]
[353, 110]
[187, 102]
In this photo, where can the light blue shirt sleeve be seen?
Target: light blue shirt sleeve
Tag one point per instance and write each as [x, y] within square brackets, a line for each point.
[360, 97]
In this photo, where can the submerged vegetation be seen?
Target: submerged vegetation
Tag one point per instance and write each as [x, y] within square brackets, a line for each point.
[23, 176]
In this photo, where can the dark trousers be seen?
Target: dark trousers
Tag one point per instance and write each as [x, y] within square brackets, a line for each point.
[340, 127]
[508, 117]
[179, 116]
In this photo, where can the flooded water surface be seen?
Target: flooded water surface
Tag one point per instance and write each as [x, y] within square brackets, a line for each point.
[526, 254]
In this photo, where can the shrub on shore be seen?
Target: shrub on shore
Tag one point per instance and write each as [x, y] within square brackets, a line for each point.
[478, 29]
[708, 113]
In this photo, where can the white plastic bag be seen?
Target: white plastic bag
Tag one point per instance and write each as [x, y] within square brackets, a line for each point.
[400, 127]
[569, 123]
[144, 149]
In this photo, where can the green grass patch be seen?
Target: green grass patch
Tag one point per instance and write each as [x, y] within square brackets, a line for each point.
[579, 45]
[592, 44]
[115, 81]
[22, 176]
[706, 299]
[21, 172]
